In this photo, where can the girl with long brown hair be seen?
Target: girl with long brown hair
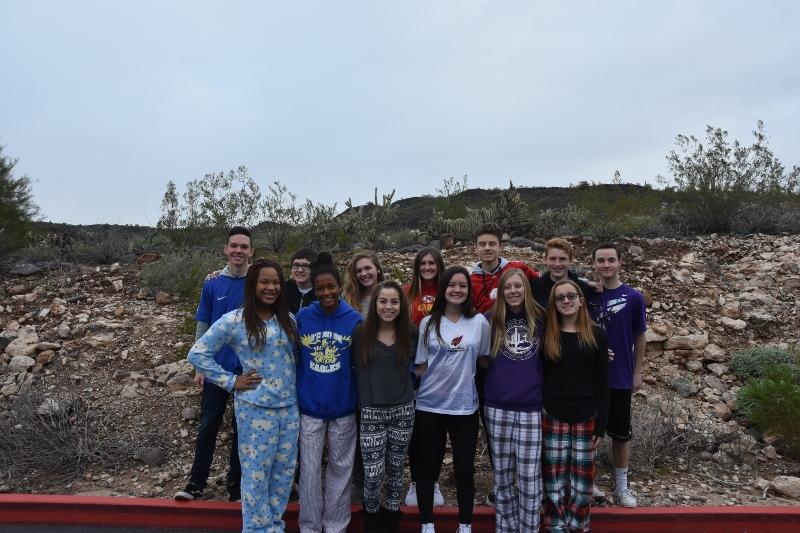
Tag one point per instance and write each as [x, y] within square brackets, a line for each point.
[364, 272]
[384, 345]
[263, 335]
[576, 407]
[513, 403]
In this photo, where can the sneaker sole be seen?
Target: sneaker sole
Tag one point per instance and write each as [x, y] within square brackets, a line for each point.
[184, 496]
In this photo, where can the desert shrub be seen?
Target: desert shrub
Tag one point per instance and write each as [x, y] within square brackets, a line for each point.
[754, 362]
[103, 247]
[404, 237]
[772, 403]
[59, 435]
[181, 273]
[569, 220]
[657, 439]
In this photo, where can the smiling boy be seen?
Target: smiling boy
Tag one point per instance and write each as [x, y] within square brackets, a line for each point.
[558, 257]
[621, 311]
[220, 295]
[299, 291]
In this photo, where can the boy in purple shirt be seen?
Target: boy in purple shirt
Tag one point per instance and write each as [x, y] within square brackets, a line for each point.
[621, 311]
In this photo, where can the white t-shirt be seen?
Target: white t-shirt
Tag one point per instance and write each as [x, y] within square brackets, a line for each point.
[448, 385]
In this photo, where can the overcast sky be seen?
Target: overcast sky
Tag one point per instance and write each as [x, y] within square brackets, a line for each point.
[104, 102]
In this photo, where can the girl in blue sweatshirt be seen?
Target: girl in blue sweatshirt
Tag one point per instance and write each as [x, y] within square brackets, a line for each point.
[326, 390]
[262, 334]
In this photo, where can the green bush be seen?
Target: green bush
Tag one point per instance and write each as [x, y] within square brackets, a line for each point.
[754, 362]
[181, 273]
[772, 403]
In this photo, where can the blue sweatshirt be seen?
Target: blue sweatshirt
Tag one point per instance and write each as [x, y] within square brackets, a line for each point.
[221, 295]
[326, 384]
[275, 362]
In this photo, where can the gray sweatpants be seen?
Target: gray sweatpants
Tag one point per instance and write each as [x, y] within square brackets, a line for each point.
[330, 511]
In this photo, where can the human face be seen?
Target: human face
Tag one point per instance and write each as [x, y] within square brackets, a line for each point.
[268, 286]
[557, 262]
[457, 290]
[366, 272]
[326, 289]
[567, 299]
[301, 271]
[388, 304]
[238, 250]
[514, 292]
[488, 248]
[428, 269]
[606, 263]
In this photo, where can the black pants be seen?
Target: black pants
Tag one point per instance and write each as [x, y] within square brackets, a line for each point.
[413, 453]
[480, 385]
[431, 429]
[212, 411]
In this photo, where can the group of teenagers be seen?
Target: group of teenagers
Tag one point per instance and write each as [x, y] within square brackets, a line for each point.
[378, 373]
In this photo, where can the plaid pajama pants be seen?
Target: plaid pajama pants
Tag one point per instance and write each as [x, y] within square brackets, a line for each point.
[568, 463]
[516, 441]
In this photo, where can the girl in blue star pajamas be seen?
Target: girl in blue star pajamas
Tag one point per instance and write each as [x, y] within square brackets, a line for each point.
[264, 335]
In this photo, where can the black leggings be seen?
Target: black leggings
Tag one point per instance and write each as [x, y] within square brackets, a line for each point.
[431, 429]
[413, 454]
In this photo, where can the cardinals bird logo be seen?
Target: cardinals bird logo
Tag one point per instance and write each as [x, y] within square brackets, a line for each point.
[456, 341]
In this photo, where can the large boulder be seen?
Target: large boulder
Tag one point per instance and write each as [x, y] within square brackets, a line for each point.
[686, 342]
[788, 486]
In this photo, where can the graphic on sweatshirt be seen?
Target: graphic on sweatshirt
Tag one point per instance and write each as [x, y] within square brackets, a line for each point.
[611, 308]
[518, 344]
[325, 347]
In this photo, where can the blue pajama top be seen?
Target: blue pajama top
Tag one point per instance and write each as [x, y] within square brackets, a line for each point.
[275, 362]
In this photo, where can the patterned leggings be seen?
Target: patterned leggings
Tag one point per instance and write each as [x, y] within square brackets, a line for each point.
[516, 439]
[568, 462]
[384, 436]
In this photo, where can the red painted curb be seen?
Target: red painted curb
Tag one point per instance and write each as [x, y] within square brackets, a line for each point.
[223, 516]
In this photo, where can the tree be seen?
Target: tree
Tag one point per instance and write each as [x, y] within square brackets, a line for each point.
[17, 208]
[217, 200]
[714, 179]
[281, 214]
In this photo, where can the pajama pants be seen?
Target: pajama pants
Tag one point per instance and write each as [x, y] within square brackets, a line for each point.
[463, 430]
[385, 434]
[330, 511]
[268, 454]
[516, 440]
[568, 474]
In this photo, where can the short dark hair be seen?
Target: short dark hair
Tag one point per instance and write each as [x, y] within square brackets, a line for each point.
[489, 228]
[305, 253]
[607, 246]
[324, 265]
[240, 230]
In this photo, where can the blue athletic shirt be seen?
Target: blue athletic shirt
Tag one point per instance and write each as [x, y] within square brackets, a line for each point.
[221, 295]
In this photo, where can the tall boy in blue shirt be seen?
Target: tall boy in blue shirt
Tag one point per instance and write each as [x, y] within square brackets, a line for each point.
[220, 295]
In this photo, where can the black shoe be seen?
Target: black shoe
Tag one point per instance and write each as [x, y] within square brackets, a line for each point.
[191, 492]
[390, 520]
[372, 522]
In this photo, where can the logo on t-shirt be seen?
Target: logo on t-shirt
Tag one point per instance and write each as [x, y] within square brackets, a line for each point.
[456, 340]
[325, 347]
[519, 345]
[611, 308]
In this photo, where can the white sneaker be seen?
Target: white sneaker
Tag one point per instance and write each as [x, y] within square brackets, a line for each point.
[411, 499]
[491, 498]
[625, 498]
[464, 528]
[428, 528]
[438, 498]
[598, 494]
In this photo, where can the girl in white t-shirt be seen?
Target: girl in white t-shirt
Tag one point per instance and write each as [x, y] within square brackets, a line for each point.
[450, 341]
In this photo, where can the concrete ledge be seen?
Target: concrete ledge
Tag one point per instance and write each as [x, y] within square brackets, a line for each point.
[223, 516]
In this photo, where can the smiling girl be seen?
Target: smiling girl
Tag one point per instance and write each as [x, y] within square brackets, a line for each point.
[364, 272]
[451, 339]
[513, 397]
[263, 335]
[384, 345]
[421, 292]
[576, 407]
[326, 390]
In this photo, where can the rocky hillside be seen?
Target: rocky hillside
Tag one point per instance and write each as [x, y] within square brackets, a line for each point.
[88, 349]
